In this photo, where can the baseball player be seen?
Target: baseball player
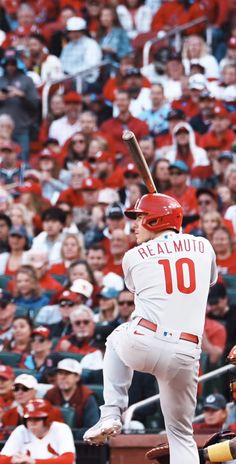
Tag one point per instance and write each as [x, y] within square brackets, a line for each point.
[39, 440]
[170, 275]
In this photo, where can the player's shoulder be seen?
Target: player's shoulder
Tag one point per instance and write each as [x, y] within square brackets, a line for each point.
[59, 426]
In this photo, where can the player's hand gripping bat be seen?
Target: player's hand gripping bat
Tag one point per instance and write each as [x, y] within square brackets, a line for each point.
[139, 160]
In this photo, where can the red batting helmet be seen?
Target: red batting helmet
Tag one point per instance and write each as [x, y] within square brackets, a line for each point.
[38, 408]
[161, 212]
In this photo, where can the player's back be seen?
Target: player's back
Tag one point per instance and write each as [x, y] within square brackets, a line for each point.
[171, 275]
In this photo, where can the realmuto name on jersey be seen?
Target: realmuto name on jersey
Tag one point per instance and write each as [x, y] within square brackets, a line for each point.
[163, 248]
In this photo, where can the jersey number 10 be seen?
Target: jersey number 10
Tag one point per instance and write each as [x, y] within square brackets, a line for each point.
[180, 264]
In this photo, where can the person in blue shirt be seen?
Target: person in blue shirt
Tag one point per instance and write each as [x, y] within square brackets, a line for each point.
[28, 291]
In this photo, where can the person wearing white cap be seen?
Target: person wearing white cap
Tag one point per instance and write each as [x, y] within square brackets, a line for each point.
[81, 52]
[24, 389]
[69, 391]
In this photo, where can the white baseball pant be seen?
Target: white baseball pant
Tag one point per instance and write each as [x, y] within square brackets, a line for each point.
[175, 365]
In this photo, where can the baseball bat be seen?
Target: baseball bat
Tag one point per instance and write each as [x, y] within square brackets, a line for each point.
[138, 158]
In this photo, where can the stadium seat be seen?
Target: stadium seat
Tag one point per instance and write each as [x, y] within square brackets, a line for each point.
[229, 280]
[98, 393]
[59, 278]
[231, 293]
[21, 370]
[4, 279]
[68, 415]
[10, 359]
[67, 354]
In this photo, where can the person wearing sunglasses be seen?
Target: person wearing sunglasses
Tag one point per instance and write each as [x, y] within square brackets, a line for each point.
[41, 345]
[125, 305]
[83, 326]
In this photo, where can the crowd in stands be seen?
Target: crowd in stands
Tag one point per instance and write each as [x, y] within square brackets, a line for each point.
[67, 176]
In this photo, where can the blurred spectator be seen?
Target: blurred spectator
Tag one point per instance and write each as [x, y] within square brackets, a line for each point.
[220, 133]
[161, 175]
[46, 65]
[6, 382]
[76, 148]
[135, 17]
[71, 250]
[131, 177]
[180, 190]
[18, 244]
[64, 127]
[7, 314]
[73, 195]
[185, 147]
[70, 392]
[209, 222]
[230, 214]
[107, 307]
[112, 38]
[5, 226]
[81, 52]
[202, 121]
[7, 126]
[41, 345]
[49, 171]
[28, 292]
[80, 269]
[230, 180]
[96, 257]
[225, 90]
[214, 414]
[115, 126]
[39, 261]
[51, 238]
[67, 301]
[56, 110]
[21, 335]
[90, 188]
[195, 48]
[219, 309]
[119, 244]
[5, 200]
[125, 303]
[139, 94]
[83, 327]
[30, 195]
[164, 142]
[156, 116]
[223, 244]
[213, 341]
[230, 55]
[106, 170]
[20, 217]
[19, 99]
[11, 168]
[56, 30]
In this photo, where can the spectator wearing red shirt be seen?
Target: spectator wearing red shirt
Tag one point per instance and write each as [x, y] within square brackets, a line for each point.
[220, 133]
[83, 329]
[119, 244]
[107, 172]
[222, 242]
[185, 194]
[116, 126]
[39, 260]
[6, 382]
[71, 250]
[73, 194]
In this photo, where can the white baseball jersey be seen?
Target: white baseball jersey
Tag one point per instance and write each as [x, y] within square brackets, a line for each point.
[57, 441]
[171, 276]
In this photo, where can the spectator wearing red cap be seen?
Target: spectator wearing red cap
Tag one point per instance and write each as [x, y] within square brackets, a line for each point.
[27, 290]
[41, 345]
[72, 248]
[81, 52]
[131, 177]
[6, 382]
[220, 132]
[107, 172]
[116, 126]
[230, 56]
[66, 126]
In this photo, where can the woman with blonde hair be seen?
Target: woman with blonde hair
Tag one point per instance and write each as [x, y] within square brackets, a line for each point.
[20, 217]
[195, 50]
[210, 221]
[72, 249]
